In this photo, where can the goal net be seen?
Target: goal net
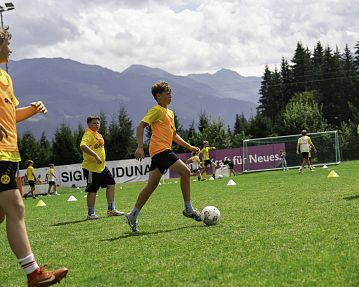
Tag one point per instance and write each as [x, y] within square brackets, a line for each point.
[265, 153]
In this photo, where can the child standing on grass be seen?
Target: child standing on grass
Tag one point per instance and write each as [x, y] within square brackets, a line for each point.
[282, 155]
[51, 177]
[94, 166]
[194, 159]
[206, 160]
[161, 120]
[31, 178]
[11, 204]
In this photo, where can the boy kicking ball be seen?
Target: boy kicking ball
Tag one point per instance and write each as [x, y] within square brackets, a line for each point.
[161, 120]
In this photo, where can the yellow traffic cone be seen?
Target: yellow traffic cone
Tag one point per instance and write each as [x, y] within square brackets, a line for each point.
[333, 174]
[40, 203]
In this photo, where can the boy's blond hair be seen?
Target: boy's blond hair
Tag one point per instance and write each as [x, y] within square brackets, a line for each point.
[4, 34]
[159, 88]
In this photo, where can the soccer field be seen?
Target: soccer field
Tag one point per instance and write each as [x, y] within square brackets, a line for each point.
[277, 229]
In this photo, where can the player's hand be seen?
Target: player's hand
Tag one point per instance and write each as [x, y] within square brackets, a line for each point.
[98, 160]
[297, 152]
[3, 132]
[39, 107]
[194, 149]
[139, 153]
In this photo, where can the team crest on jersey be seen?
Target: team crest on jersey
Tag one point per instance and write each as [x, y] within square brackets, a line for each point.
[5, 179]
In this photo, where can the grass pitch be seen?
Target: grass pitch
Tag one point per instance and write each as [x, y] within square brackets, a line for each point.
[277, 229]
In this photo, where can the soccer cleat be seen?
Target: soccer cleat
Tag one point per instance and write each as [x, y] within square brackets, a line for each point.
[194, 215]
[114, 212]
[131, 222]
[42, 278]
[92, 217]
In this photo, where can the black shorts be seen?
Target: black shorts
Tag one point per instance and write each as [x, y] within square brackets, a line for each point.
[207, 162]
[51, 183]
[163, 161]
[8, 175]
[96, 180]
[230, 164]
[305, 155]
[31, 183]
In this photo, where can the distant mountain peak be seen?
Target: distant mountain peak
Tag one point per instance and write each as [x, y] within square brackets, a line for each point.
[144, 70]
[226, 73]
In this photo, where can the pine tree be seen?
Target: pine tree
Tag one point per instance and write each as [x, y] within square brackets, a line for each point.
[29, 149]
[264, 91]
[64, 147]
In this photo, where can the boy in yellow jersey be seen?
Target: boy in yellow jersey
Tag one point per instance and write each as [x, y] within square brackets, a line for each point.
[50, 176]
[161, 120]
[31, 178]
[194, 159]
[303, 146]
[94, 166]
[11, 203]
[206, 160]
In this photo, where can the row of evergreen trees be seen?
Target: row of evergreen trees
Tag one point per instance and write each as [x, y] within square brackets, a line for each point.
[318, 91]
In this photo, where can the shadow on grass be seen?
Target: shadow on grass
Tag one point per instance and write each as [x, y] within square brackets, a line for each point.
[69, 222]
[133, 234]
[351, 197]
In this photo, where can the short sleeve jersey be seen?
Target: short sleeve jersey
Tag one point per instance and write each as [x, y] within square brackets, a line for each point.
[163, 127]
[51, 174]
[30, 173]
[205, 152]
[304, 143]
[195, 161]
[8, 145]
[94, 141]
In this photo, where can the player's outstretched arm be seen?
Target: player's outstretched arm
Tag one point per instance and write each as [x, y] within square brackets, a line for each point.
[27, 112]
[180, 141]
[140, 153]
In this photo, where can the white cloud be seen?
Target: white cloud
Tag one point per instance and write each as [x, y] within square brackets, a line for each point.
[179, 36]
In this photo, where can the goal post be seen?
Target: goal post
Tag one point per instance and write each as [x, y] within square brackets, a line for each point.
[264, 153]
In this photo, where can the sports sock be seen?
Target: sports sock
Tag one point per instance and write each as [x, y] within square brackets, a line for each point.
[135, 212]
[28, 263]
[110, 205]
[188, 207]
[90, 210]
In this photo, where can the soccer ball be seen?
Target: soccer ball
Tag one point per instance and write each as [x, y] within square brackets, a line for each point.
[210, 215]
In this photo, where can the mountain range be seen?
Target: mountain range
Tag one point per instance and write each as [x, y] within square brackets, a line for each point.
[72, 91]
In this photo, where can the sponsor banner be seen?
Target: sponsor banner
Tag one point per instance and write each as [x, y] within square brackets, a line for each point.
[258, 158]
[129, 170]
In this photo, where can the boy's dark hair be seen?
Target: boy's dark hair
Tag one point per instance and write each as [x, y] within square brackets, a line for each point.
[92, 117]
[159, 88]
[4, 34]
[304, 132]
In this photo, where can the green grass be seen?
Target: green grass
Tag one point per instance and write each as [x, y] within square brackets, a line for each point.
[277, 229]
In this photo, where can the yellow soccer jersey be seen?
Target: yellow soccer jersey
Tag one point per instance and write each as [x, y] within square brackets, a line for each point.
[8, 102]
[30, 173]
[205, 152]
[163, 127]
[51, 174]
[91, 139]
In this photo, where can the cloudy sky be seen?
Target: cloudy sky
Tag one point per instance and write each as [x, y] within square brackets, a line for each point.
[179, 36]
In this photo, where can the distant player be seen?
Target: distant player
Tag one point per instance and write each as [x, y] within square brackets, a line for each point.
[310, 158]
[303, 146]
[11, 203]
[194, 159]
[51, 177]
[231, 166]
[161, 120]
[31, 178]
[283, 160]
[206, 160]
[94, 166]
